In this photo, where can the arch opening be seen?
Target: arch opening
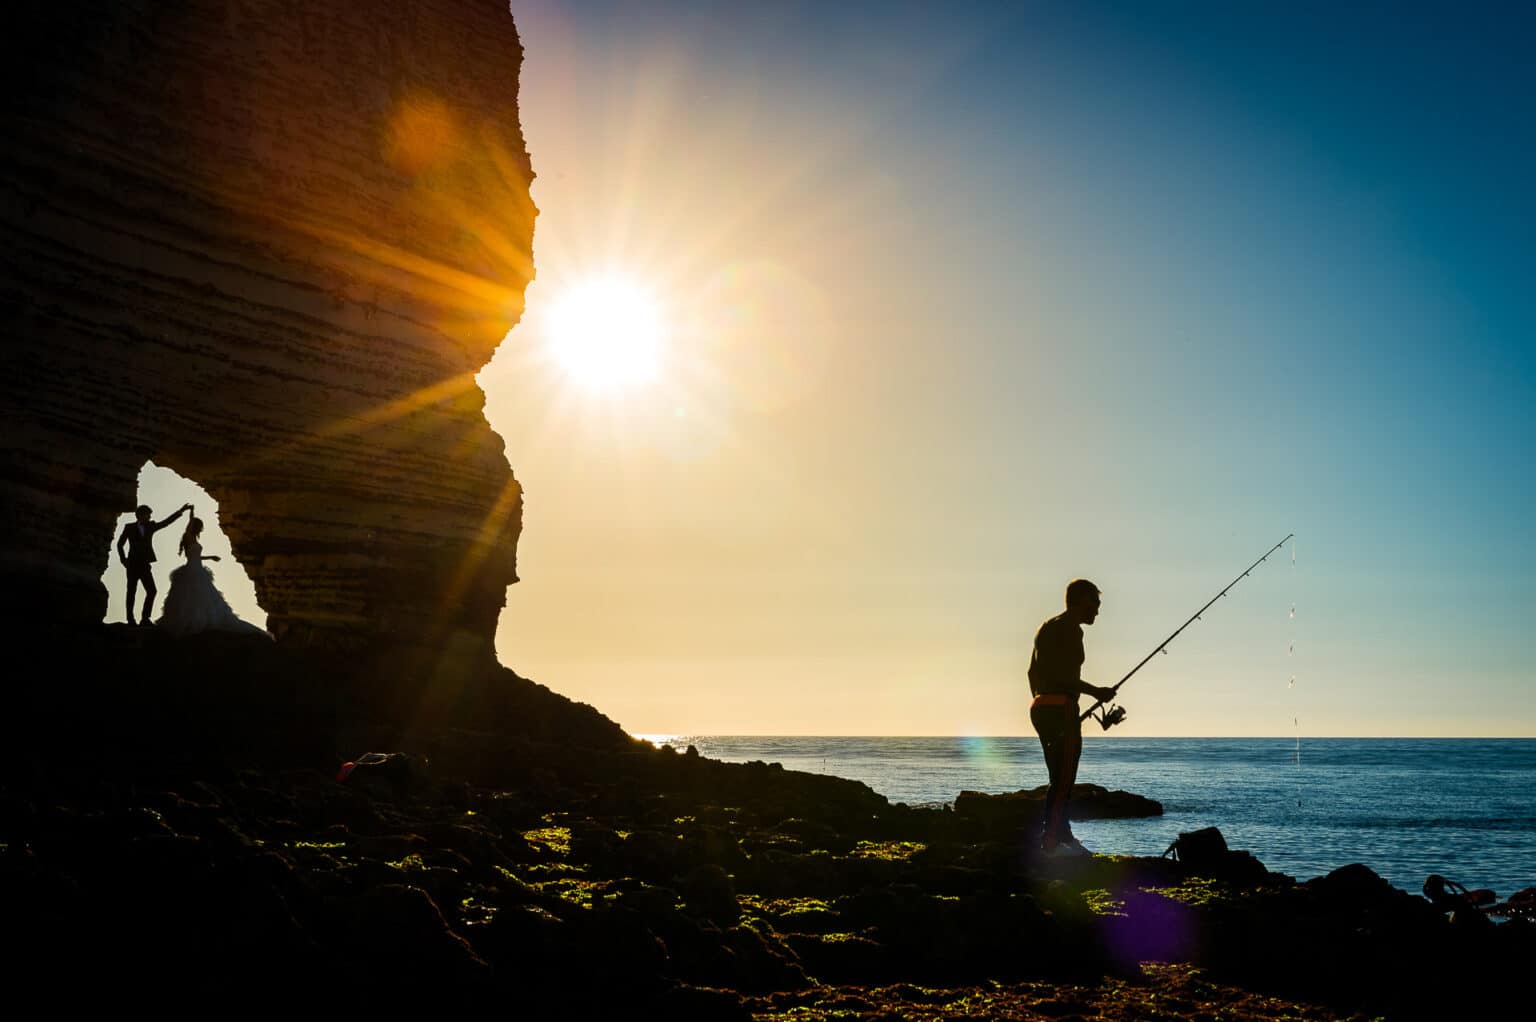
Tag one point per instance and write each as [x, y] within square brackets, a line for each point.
[165, 490]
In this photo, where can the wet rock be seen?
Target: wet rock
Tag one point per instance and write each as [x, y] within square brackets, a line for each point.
[1520, 905]
[839, 957]
[1235, 866]
[701, 1004]
[651, 855]
[708, 891]
[71, 833]
[813, 834]
[707, 843]
[699, 953]
[807, 916]
[957, 880]
[785, 874]
[594, 843]
[387, 847]
[1023, 809]
[529, 940]
[635, 961]
[395, 931]
[166, 858]
[1149, 927]
[761, 965]
[1355, 886]
[657, 904]
[887, 908]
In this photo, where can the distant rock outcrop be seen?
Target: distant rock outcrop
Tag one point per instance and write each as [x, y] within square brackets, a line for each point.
[1022, 808]
[267, 245]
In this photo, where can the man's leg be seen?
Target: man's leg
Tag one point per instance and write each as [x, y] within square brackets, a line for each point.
[133, 590]
[1066, 771]
[1047, 722]
[147, 576]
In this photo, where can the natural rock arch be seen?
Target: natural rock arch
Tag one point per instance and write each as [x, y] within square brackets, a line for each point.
[268, 245]
[164, 490]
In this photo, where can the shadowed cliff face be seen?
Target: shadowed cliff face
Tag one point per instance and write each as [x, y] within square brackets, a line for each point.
[268, 245]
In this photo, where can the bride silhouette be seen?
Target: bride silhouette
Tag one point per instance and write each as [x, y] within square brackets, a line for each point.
[194, 603]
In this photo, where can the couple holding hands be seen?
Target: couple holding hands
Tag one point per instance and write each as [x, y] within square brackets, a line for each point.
[194, 603]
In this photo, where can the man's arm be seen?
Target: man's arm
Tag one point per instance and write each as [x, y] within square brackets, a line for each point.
[122, 541]
[1098, 692]
[167, 521]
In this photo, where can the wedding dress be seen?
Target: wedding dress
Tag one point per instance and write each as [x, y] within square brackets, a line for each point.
[195, 604]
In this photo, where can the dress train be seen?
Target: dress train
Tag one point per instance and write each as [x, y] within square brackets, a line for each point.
[194, 603]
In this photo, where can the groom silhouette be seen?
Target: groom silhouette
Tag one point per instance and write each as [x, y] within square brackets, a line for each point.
[138, 537]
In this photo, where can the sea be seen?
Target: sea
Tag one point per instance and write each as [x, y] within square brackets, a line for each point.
[1405, 807]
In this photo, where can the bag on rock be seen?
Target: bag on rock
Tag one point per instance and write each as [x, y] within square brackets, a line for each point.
[1200, 849]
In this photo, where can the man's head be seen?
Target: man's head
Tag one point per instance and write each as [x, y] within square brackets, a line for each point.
[1082, 601]
[144, 512]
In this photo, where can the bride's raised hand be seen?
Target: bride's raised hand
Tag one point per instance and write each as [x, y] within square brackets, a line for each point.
[215, 557]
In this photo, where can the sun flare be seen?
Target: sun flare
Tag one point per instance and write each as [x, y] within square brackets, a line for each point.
[606, 333]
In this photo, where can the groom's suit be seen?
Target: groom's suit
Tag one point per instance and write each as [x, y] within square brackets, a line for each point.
[141, 543]
[140, 539]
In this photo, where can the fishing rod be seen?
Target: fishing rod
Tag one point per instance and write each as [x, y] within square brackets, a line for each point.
[1111, 714]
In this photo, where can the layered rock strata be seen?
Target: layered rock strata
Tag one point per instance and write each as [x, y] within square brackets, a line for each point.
[267, 244]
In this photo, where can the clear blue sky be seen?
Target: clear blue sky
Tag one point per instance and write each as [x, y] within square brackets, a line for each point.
[1018, 292]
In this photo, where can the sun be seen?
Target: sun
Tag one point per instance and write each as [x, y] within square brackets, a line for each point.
[605, 332]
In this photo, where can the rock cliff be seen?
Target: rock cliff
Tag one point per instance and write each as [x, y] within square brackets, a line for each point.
[268, 244]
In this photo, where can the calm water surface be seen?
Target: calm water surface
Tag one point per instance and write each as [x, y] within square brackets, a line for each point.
[1464, 808]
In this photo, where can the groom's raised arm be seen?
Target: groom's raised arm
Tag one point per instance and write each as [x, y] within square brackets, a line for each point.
[167, 521]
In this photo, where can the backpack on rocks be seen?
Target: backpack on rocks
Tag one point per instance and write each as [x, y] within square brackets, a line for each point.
[1199, 849]
[1204, 853]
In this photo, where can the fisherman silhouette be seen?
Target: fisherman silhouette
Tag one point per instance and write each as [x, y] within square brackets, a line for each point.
[1055, 670]
[139, 538]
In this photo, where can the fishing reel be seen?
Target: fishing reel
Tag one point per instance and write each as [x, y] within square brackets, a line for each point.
[1108, 716]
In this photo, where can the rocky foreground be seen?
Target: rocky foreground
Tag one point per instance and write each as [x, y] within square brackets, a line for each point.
[529, 873]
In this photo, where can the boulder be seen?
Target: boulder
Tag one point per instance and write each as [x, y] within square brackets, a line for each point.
[1026, 808]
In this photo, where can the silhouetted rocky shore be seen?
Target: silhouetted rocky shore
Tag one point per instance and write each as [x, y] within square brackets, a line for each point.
[171, 816]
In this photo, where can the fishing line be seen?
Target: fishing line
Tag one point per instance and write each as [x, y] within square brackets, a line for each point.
[1290, 656]
[1108, 714]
